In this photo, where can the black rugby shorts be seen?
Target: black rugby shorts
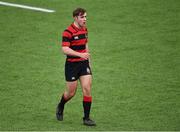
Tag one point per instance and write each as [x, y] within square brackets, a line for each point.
[73, 70]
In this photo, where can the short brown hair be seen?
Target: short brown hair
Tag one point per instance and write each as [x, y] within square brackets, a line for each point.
[78, 12]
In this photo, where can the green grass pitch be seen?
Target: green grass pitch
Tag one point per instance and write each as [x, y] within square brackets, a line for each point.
[135, 54]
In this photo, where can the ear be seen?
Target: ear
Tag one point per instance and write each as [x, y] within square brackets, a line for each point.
[75, 18]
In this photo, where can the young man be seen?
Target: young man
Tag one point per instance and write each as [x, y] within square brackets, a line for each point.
[74, 45]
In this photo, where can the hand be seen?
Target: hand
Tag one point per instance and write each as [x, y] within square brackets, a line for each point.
[85, 55]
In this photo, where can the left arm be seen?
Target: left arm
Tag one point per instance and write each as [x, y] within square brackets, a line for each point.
[87, 50]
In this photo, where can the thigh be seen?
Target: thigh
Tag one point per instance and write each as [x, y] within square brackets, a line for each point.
[71, 86]
[71, 89]
[86, 82]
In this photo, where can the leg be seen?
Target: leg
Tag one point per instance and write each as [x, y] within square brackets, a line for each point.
[86, 82]
[68, 94]
[71, 90]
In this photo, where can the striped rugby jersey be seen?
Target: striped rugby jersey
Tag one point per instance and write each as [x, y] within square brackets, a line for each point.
[76, 39]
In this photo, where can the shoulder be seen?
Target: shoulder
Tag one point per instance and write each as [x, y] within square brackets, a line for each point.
[69, 31]
[86, 29]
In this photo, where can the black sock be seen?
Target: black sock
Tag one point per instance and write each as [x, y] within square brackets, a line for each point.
[87, 106]
[62, 103]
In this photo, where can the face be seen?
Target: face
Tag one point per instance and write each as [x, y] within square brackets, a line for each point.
[81, 20]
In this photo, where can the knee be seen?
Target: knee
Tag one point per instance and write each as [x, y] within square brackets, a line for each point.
[87, 90]
[71, 89]
[71, 94]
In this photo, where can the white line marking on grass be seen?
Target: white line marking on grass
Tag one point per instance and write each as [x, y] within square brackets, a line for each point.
[26, 7]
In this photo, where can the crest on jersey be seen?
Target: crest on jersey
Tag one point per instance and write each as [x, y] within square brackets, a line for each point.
[76, 37]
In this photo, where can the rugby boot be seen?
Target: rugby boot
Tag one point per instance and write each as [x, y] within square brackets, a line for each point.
[88, 122]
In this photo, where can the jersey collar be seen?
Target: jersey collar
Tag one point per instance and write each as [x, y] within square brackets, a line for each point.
[76, 28]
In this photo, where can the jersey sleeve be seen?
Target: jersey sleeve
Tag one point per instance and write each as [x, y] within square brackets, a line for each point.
[86, 35]
[66, 38]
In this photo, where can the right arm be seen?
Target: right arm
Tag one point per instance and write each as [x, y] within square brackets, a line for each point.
[68, 51]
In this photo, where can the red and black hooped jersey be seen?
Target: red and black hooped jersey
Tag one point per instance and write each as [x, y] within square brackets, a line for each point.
[76, 39]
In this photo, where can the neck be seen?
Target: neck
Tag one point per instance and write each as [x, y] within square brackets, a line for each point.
[77, 25]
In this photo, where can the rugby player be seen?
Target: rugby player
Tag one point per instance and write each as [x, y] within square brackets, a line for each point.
[77, 67]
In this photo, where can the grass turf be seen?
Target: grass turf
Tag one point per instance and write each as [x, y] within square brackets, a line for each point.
[135, 62]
